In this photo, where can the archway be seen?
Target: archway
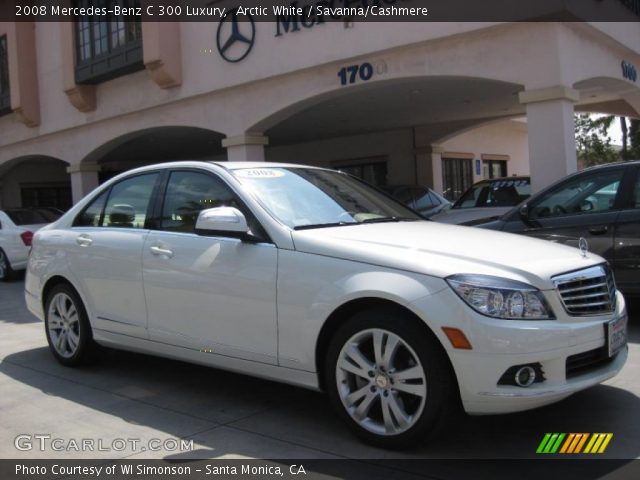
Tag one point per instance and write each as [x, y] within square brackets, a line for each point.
[154, 145]
[35, 181]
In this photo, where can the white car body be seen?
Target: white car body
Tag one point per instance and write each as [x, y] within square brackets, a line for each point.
[260, 308]
[11, 243]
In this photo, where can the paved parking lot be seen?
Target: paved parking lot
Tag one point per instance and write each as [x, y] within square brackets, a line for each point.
[234, 416]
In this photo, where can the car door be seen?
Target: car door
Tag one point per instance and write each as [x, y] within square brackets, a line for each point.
[583, 206]
[626, 263]
[105, 254]
[217, 293]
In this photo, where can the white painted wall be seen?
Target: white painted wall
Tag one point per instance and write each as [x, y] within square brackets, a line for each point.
[501, 138]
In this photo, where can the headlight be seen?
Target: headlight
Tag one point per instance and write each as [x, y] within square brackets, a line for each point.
[501, 298]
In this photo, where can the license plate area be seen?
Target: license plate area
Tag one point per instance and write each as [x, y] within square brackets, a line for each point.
[616, 333]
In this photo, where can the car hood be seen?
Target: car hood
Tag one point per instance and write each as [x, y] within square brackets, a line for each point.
[441, 250]
[461, 215]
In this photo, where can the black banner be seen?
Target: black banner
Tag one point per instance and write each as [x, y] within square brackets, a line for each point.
[306, 13]
[582, 469]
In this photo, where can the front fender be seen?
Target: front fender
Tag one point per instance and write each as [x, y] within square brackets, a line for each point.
[311, 287]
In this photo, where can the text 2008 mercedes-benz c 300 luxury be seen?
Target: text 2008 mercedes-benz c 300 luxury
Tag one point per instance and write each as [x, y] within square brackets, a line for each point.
[311, 277]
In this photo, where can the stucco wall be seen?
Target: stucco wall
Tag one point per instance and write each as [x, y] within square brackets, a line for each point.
[501, 138]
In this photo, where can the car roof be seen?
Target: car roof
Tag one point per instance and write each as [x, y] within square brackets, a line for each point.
[406, 185]
[613, 164]
[497, 179]
[230, 166]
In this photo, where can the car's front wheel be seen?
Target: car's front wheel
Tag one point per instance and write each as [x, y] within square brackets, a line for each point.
[5, 267]
[67, 326]
[389, 379]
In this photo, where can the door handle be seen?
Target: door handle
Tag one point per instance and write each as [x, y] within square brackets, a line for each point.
[155, 250]
[598, 230]
[84, 240]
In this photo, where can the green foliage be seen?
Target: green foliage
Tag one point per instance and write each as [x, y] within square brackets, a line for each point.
[592, 140]
[633, 150]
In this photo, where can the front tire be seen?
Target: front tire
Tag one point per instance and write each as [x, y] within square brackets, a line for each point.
[67, 326]
[6, 273]
[389, 379]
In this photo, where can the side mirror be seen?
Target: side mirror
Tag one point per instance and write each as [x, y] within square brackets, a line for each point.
[524, 211]
[222, 219]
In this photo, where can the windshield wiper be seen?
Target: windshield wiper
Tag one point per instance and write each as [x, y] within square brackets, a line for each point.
[323, 225]
[342, 224]
[388, 219]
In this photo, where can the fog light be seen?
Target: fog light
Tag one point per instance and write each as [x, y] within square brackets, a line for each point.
[525, 376]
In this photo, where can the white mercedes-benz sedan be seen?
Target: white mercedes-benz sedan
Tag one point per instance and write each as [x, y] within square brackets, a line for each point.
[311, 277]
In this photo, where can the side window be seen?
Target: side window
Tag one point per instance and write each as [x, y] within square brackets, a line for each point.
[583, 194]
[403, 195]
[128, 202]
[190, 192]
[90, 216]
[424, 199]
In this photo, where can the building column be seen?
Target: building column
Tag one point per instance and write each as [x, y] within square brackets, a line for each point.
[245, 148]
[429, 166]
[84, 178]
[551, 126]
[436, 167]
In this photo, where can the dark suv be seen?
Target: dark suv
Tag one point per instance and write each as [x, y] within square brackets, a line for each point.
[601, 204]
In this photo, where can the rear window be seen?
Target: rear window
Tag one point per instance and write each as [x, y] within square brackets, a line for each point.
[31, 217]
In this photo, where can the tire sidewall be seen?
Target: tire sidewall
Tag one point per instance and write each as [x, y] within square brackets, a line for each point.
[8, 272]
[440, 392]
[85, 342]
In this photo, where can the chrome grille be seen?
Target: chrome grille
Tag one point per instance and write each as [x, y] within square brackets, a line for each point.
[591, 291]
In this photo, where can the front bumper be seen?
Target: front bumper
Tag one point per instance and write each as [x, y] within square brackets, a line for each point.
[501, 344]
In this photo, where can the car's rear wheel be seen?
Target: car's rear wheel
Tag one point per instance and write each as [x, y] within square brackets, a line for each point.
[389, 379]
[5, 267]
[67, 326]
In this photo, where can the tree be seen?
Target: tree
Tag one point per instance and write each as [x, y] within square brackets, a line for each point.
[634, 139]
[592, 139]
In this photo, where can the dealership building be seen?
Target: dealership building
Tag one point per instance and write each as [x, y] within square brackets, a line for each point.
[438, 104]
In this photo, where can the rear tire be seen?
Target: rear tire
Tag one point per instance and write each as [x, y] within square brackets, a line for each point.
[389, 379]
[67, 327]
[6, 272]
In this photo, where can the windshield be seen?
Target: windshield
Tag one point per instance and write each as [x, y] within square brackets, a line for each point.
[496, 193]
[313, 198]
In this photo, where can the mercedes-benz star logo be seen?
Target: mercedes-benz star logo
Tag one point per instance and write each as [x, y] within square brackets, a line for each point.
[235, 36]
[583, 245]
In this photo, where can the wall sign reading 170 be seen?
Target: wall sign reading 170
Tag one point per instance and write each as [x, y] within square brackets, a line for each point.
[360, 73]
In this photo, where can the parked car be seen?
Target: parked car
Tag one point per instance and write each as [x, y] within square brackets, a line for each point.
[487, 199]
[425, 201]
[311, 277]
[600, 204]
[17, 226]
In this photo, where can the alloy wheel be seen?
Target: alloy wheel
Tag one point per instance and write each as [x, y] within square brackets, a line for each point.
[381, 382]
[64, 325]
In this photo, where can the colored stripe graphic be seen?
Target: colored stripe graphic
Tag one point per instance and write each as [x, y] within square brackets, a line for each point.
[550, 443]
[574, 442]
